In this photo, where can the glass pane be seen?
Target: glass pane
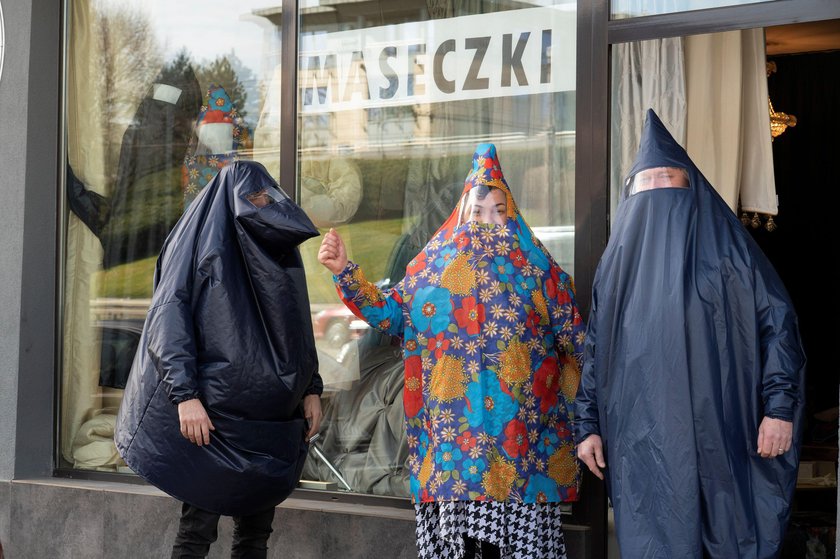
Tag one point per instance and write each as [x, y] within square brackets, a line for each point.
[393, 99]
[160, 96]
[620, 9]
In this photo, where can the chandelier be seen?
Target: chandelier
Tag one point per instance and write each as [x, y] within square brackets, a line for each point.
[779, 122]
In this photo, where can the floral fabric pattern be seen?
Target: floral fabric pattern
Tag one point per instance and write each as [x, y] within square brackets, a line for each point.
[200, 168]
[492, 341]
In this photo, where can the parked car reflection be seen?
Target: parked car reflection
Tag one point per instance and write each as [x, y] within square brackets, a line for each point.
[336, 325]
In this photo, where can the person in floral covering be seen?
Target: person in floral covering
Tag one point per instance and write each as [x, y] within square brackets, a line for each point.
[492, 341]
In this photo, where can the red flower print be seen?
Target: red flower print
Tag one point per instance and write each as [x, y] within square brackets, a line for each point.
[413, 392]
[551, 283]
[461, 240]
[518, 258]
[533, 321]
[496, 173]
[466, 440]
[417, 263]
[547, 384]
[563, 431]
[488, 163]
[516, 439]
[470, 316]
[438, 345]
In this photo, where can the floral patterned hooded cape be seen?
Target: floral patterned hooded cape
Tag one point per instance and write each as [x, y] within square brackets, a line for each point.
[203, 162]
[492, 340]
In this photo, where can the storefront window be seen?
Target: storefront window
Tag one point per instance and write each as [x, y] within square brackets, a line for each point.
[620, 9]
[393, 99]
[159, 96]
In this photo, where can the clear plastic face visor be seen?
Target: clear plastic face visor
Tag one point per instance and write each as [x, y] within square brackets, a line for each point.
[483, 204]
[657, 177]
[263, 197]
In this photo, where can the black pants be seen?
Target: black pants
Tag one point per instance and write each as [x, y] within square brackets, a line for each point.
[199, 528]
[488, 550]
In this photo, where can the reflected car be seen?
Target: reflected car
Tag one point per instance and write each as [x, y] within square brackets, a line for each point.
[120, 339]
[336, 325]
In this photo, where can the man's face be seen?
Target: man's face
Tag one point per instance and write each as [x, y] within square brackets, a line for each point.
[660, 177]
[260, 198]
[492, 208]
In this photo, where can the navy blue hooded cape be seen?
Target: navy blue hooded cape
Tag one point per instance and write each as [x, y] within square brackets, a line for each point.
[692, 340]
[229, 323]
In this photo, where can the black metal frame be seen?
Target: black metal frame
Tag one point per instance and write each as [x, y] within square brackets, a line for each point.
[596, 35]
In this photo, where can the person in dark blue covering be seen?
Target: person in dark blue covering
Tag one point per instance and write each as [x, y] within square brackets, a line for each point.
[692, 389]
[225, 379]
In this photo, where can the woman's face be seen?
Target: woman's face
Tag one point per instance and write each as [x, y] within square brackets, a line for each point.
[491, 209]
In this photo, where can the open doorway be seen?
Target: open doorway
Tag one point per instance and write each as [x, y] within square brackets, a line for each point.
[682, 79]
[806, 84]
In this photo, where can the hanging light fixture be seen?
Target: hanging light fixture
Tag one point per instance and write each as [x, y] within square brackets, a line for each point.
[779, 122]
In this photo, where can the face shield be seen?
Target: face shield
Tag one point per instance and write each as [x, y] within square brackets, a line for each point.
[263, 197]
[657, 177]
[483, 204]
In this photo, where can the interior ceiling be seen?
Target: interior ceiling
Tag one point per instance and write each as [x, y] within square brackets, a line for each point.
[803, 37]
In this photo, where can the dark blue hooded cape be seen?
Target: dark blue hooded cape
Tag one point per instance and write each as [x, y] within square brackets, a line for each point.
[229, 323]
[692, 340]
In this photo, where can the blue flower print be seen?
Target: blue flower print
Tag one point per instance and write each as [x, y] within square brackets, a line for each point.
[446, 455]
[487, 404]
[548, 441]
[431, 308]
[218, 100]
[541, 489]
[524, 286]
[414, 487]
[503, 268]
[445, 256]
[473, 469]
[535, 256]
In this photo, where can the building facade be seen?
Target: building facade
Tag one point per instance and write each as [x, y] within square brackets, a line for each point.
[116, 114]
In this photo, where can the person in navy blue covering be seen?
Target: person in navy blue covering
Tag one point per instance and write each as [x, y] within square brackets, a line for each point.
[224, 391]
[692, 389]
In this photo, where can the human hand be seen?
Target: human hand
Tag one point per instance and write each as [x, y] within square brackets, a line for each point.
[312, 413]
[591, 452]
[195, 423]
[774, 437]
[333, 253]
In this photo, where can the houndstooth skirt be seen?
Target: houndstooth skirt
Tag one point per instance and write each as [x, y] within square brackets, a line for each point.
[520, 531]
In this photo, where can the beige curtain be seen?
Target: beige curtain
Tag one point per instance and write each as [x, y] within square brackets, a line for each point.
[711, 93]
[645, 75]
[87, 155]
[112, 57]
[728, 121]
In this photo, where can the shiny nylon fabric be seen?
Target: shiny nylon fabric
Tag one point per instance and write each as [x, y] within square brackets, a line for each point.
[489, 382]
[692, 340]
[229, 323]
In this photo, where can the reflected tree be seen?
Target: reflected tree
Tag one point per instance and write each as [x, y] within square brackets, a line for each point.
[129, 56]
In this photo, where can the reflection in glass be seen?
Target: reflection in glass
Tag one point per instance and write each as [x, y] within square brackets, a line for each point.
[620, 9]
[160, 95]
[392, 100]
